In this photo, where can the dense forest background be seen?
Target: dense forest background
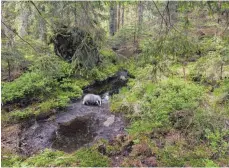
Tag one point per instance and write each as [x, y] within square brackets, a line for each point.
[176, 103]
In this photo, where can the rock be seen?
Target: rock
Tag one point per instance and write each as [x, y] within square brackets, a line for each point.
[122, 77]
[109, 121]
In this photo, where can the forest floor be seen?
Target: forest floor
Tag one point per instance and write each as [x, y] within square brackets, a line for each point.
[112, 133]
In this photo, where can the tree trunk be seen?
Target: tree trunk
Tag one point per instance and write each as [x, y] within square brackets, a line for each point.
[113, 18]
[42, 26]
[173, 5]
[135, 25]
[119, 16]
[221, 71]
[219, 5]
[140, 16]
[184, 71]
[123, 12]
[9, 70]
[24, 17]
[75, 15]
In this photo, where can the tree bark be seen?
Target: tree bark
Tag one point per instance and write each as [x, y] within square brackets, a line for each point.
[123, 12]
[42, 27]
[9, 70]
[113, 18]
[184, 70]
[24, 17]
[75, 14]
[221, 71]
[119, 16]
[140, 16]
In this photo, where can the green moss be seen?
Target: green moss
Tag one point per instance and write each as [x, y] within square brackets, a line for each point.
[182, 155]
[85, 157]
[11, 160]
[88, 157]
[19, 115]
[149, 105]
[49, 158]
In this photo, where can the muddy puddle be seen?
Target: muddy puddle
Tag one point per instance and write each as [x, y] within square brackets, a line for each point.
[79, 125]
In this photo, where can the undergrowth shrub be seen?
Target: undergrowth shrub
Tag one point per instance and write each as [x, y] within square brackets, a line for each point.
[27, 86]
[222, 93]
[108, 56]
[157, 102]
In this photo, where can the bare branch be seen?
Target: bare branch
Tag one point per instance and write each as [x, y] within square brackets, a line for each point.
[164, 18]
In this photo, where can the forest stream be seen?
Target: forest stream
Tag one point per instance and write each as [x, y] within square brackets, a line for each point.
[79, 125]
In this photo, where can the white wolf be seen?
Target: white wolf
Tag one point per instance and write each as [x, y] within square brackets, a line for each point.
[92, 99]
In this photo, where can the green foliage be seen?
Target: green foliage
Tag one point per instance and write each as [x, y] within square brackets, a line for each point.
[156, 102]
[102, 72]
[72, 87]
[124, 36]
[210, 163]
[54, 95]
[91, 158]
[206, 70]
[19, 115]
[180, 155]
[49, 158]
[202, 120]
[222, 93]
[173, 46]
[152, 104]
[211, 67]
[29, 85]
[51, 66]
[12, 55]
[11, 160]
[108, 55]
[217, 143]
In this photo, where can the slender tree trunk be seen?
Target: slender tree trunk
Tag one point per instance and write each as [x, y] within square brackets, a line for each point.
[123, 12]
[219, 9]
[75, 15]
[42, 26]
[135, 26]
[221, 71]
[9, 70]
[24, 17]
[113, 18]
[119, 16]
[184, 70]
[140, 16]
